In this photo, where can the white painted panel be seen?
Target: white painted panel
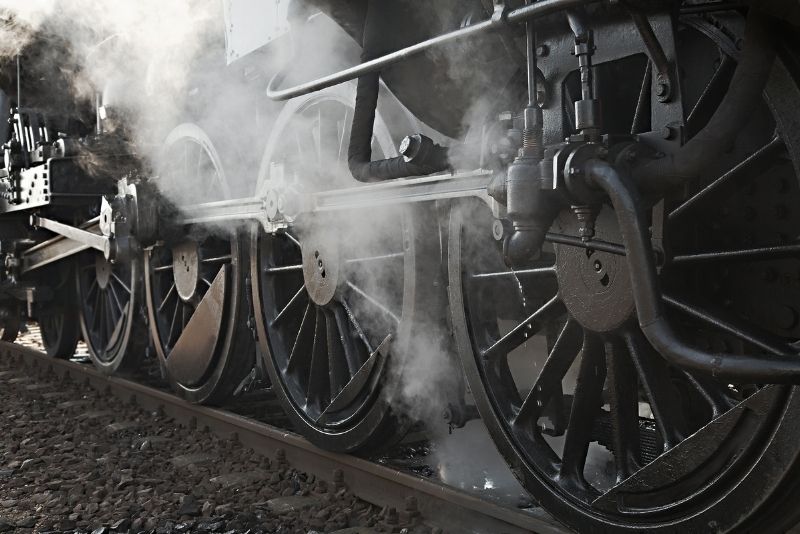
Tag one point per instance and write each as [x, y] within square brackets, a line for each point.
[251, 24]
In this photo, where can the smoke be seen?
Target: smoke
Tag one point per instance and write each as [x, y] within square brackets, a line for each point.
[158, 65]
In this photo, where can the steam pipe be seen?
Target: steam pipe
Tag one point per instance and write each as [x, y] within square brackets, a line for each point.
[764, 368]
[419, 155]
[746, 86]
[536, 10]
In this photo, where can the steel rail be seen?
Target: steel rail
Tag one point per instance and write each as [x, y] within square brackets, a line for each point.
[539, 9]
[455, 510]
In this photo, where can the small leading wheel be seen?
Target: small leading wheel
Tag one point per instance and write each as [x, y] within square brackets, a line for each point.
[595, 423]
[11, 322]
[109, 306]
[194, 282]
[334, 297]
[58, 320]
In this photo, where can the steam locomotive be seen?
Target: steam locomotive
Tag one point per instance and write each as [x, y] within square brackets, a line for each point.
[592, 204]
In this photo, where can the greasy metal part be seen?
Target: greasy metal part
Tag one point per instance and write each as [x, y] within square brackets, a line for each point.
[192, 355]
[240, 209]
[379, 485]
[655, 51]
[688, 455]
[594, 244]
[535, 10]
[472, 184]
[84, 237]
[745, 92]
[587, 109]
[760, 369]
[57, 248]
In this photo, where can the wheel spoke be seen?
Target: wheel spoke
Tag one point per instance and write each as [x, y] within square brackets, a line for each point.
[351, 353]
[226, 258]
[525, 273]
[293, 302]
[283, 270]
[711, 96]
[340, 152]
[92, 287]
[623, 388]
[163, 268]
[124, 286]
[749, 254]
[293, 239]
[380, 257]
[110, 306]
[113, 292]
[301, 349]
[548, 383]
[372, 300]
[641, 118]
[318, 382]
[166, 297]
[170, 335]
[357, 326]
[586, 404]
[527, 328]
[654, 375]
[338, 374]
[762, 340]
[754, 165]
[712, 392]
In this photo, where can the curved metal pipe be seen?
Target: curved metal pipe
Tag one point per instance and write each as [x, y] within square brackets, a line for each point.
[537, 10]
[717, 136]
[763, 368]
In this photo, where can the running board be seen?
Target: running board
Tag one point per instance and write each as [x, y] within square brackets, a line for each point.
[687, 456]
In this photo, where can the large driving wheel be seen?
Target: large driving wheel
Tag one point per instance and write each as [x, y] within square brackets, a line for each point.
[194, 281]
[595, 423]
[335, 297]
[109, 306]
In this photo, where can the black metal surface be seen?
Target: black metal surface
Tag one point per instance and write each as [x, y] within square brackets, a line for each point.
[538, 9]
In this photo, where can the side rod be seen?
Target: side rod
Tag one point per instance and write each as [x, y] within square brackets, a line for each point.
[536, 10]
[84, 237]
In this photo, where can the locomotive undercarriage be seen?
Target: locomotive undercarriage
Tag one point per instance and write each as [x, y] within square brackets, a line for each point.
[643, 239]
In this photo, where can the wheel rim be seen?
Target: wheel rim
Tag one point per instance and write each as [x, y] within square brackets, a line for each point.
[329, 324]
[194, 281]
[582, 422]
[107, 307]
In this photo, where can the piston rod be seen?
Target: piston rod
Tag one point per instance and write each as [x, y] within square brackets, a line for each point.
[521, 14]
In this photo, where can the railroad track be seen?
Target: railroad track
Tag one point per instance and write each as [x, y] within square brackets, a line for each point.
[451, 509]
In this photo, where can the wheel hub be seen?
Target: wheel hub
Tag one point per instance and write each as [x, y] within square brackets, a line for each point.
[103, 271]
[321, 270]
[594, 285]
[186, 269]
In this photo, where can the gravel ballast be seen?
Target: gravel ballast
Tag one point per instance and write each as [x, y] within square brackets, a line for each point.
[75, 459]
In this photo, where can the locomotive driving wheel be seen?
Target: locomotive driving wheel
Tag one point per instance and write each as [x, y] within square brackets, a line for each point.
[334, 297]
[109, 306]
[194, 281]
[593, 421]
